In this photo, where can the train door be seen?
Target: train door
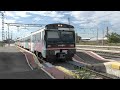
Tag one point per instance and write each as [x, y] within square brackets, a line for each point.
[32, 43]
[43, 44]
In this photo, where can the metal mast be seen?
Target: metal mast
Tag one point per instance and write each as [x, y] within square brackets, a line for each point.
[21, 25]
[2, 14]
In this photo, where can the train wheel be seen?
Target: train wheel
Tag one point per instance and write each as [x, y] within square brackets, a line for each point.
[36, 53]
[39, 55]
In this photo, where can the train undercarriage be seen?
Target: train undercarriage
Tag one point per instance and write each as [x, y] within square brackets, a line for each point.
[51, 56]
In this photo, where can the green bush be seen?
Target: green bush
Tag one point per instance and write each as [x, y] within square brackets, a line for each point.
[1, 44]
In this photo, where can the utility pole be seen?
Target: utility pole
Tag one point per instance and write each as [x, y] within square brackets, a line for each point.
[97, 35]
[6, 35]
[69, 21]
[11, 35]
[18, 28]
[107, 31]
[103, 38]
[2, 14]
[8, 31]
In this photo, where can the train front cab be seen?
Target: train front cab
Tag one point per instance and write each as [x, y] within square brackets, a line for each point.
[60, 51]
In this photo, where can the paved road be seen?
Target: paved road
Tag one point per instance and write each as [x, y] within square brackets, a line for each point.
[13, 64]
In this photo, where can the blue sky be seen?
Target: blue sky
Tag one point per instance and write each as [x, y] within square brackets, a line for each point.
[85, 22]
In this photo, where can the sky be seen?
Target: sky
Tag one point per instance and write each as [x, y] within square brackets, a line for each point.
[86, 23]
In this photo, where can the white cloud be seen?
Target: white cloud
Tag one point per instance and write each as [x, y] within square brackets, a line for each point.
[9, 20]
[82, 15]
[61, 20]
[36, 19]
[88, 18]
[9, 13]
[22, 14]
[76, 14]
[17, 14]
[47, 13]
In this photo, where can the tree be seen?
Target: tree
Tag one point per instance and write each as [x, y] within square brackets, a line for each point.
[78, 38]
[113, 38]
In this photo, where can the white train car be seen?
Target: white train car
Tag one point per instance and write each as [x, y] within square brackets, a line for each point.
[54, 42]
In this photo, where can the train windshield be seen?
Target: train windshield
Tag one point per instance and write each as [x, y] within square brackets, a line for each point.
[60, 36]
[67, 36]
[53, 36]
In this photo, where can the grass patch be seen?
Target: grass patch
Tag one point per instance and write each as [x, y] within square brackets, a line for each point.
[1, 44]
[84, 73]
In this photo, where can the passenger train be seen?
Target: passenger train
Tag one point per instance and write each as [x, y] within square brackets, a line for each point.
[54, 42]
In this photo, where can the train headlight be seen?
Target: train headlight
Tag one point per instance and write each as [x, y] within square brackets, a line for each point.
[59, 25]
[49, 45]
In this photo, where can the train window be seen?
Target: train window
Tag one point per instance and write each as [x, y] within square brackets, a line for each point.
[67, 36]
[34, 38]
[40, 36]
[51, 34]
[29, 39]
[43, 33]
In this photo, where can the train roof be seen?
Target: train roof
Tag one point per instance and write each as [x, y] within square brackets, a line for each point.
[58, 25]
[54, 26]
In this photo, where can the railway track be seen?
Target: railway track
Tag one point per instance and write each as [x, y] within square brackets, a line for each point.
[95, 75]
[108, 55]
[82, 73]
[80, 70]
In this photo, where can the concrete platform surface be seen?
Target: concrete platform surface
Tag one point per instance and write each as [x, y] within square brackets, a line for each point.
[13, 65]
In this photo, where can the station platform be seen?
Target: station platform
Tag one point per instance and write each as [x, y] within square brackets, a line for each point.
[17, 64]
